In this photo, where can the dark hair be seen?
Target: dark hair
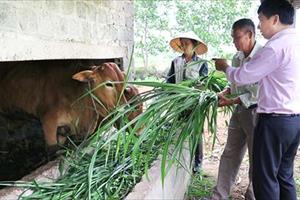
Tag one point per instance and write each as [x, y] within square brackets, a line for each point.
[244, 23]
[282, 8]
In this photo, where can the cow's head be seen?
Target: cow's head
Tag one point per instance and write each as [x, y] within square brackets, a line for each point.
[132, 96]
[107, 83]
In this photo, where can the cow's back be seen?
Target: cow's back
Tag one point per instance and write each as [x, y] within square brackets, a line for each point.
[36, 86]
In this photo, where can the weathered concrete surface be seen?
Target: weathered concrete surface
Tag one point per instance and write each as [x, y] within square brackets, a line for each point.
[176, 182]
[36, 30]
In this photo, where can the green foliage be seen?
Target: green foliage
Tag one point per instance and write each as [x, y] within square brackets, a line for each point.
[200, 187]
[98, 173]
[156, 21]
[211, 20]
[216, 81]
[149, 21]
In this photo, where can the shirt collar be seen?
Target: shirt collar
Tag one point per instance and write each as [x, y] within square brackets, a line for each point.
[194, 58]
[254, 50]
[241, 55]
[283, 32]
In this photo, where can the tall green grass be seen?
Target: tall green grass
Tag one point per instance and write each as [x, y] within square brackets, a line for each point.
[200, 187]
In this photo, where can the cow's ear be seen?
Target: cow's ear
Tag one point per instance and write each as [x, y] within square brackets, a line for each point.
[84, 76]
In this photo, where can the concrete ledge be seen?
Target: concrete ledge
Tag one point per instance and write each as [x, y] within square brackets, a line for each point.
[176, 181]
[18, 47]
[46, 173]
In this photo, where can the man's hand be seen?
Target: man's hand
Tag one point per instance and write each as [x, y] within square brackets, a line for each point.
[223, 101]
[224, 92]
[220, 64]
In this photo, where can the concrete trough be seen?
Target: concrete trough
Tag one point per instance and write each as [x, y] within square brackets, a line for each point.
[176, 181]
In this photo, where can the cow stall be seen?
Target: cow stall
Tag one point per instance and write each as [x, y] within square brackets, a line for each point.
[46, 34]
[68, 34]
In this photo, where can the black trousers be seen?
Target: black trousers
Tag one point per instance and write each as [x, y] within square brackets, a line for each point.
[276, 140]
[199, 154]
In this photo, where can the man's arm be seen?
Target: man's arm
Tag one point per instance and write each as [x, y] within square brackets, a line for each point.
[263, 63]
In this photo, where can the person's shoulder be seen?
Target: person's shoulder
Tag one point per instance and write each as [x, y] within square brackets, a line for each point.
[256, 48]
[198, 58]
[282, 39]
[177, 58]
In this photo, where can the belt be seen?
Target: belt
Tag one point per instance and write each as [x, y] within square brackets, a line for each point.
[277, 115]
[252, 106]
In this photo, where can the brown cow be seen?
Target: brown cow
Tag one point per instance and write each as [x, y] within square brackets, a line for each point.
[131, 93]
[57, 94]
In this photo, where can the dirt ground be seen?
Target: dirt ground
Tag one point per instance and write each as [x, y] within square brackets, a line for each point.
[211, 160]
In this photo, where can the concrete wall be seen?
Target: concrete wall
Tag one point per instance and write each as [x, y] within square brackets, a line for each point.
[36, 30]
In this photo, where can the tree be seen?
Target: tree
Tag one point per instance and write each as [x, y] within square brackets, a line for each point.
[150, 21]
[211, 20]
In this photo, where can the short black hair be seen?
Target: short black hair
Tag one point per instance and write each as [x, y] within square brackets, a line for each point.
[244, 23]
[282, 8]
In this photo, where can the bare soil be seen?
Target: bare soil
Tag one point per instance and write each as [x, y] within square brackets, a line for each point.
[212, 157]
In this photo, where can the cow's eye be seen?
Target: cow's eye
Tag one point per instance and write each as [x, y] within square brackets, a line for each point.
[127, 90]
[109, 84]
